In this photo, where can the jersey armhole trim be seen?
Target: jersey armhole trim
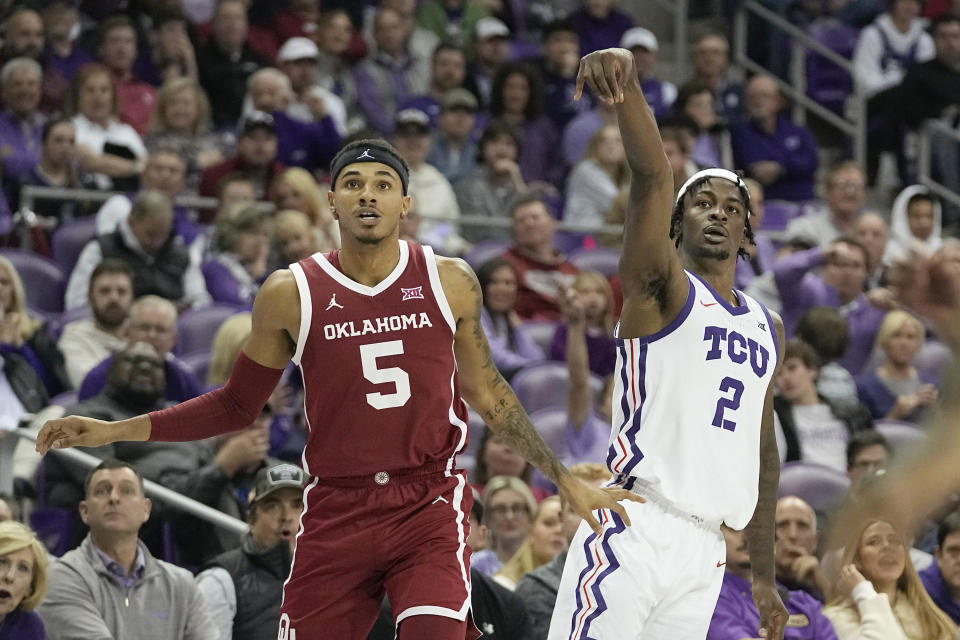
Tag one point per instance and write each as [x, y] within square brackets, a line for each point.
[672, 325]
[437, 287]
[306, 310]
[773, 332]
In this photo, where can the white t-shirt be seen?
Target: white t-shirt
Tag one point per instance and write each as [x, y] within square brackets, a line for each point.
[823, 438]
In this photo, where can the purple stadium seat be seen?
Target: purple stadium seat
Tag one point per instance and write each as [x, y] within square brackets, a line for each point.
[70, 238]
[544, 385]
[932, 359]
[43, 280]
[483, 251]
[551, 424]
[777, 214]
[821, 487]
[601, 259]
[542, 333]
[198, 362]
[197, 327]
[827, 83]
[902, 436]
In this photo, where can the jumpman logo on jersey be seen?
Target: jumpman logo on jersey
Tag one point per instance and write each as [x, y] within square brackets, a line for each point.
[365, 155]
[333, 303]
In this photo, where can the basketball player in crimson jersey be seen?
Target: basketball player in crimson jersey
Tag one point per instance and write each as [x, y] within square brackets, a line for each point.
[388, 340]
[692, 429]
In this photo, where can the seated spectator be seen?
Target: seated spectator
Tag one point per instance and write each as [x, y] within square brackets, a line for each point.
[868, 453]
[761, 253]
[542, 544]
[452, 21]
[542, 271]
[22, 34]
[711, 148]
[64, 53]
[109, 153]
[827, 332]
[448, 71]
[111, 586]
[243, 587]
[872, 232]
[296, 189]
[171, 55]
[538, 588]
[600, 25]
[294, 238]
[391, 73]
[57, 168]
[846, 193]
[452, 150]
[814, 430]
[840, 285]
[736, 615]
[491, 48]
[895, 390]
[509, 509]
[558, 64]
[88, 341]
[496, 457]
[310, 145]
[879, 594]
[235, 188]
[776, 152]
[21, 124]
[495, 181]
[152, 320]
[226, 61]
[181, 120]
[710, 59]
[26, 335]
[238, 262]
[164, 172]
[594, 183]
[579, 131]
[335, 33]
[658, 93]
[942, 578]
[587, 306]
[256, 157]
[117, 50]
[517, 98]
[158, 257]
[797, 566]
[23, 578]
[298, 60]
[511, 345]
[916, 224]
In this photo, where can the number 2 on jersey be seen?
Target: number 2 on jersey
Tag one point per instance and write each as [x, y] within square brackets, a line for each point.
[732, 403]
[368, 359]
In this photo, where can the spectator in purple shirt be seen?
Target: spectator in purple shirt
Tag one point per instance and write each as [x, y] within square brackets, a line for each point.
[659, 94]
[239, 250]
[588, 307]
[21, 124]
[777, 153]
[942, 578]
[841, 285]
[511, 345]
[761, 254]
[558, 69]
[736, 616]
[711, 148]
[599, 25]
[63, 55]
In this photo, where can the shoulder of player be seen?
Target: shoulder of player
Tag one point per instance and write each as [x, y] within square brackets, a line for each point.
[278, 299]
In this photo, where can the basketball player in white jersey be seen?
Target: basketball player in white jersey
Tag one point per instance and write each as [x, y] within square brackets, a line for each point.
[692, 427]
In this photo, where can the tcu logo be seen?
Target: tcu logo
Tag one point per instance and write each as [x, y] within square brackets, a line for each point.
[737, 348]
[286, 631]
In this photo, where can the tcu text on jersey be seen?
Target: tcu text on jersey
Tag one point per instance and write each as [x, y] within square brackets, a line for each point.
[737, 348]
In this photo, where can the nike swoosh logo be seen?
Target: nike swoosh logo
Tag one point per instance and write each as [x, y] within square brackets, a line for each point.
[707, 305]
[720, 564]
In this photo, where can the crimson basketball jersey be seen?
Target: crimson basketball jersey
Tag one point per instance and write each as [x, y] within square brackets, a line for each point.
[379, 374]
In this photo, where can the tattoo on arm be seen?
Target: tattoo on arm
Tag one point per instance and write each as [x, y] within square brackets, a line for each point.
[761, 530]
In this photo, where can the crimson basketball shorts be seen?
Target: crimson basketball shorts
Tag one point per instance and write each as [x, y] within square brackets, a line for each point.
[403, 534]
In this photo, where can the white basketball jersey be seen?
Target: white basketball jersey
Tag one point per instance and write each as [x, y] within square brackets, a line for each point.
[688, 402]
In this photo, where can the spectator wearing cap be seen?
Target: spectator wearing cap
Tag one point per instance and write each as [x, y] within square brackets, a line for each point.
[298, 60]
[659, 94]
[448, 71]
[599, 25]
[310, 145]
[21, 124]
[244, 587]
[226, 61]
[491, 48]
[453, 151]
[117, 50]
[391, 74]
[256, 157]
[560, 60]
[776, 152]
[451, 21]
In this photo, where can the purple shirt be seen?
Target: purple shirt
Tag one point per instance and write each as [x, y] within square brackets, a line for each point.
[577, 135]
[600, 33]
[522, 352]
[538, 160]
[601, 349]
[20, 140]
[310, 145]
[801, 290]
[933, 583]
[764, 258]
[22, 625]
[558, 102]
[876, 397]
[181, 384]
[791, 146]
[486, 562]
[736, 616]
[114, 567]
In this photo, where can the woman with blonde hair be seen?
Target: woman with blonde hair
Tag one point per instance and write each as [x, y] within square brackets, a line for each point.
[879, 594]
[228, 341]
[296, 189]
[588, 309]
[542, 544]
[23, 576]
[26, 335]
[294, 238]
[895, 390]
[594, 183]
[508, 512]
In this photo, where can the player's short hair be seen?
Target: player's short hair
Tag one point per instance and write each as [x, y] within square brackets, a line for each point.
[797, 348]
[863, 439]
[110, 266]
[108, 464]
[826, 330]
[950, 524]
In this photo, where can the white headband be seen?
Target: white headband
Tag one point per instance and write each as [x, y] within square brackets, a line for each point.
[716, 172]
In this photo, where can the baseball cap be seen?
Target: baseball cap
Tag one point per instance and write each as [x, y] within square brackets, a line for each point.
[639, 37]
[490, 27]
[297, 48]
[279, 476]
[458, 97]
[412, 118]
[256, 120]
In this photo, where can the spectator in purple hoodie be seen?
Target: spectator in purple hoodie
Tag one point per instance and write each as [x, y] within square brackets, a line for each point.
[600, 25]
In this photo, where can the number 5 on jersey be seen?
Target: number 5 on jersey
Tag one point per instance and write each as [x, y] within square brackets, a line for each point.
[368, 359]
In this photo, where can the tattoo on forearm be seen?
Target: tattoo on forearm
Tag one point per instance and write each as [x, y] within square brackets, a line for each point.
[761, 530]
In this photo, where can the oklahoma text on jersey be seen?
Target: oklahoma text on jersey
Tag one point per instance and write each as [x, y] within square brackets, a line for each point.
[385, 324]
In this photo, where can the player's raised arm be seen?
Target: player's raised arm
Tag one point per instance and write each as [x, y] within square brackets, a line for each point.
[255, 374]
[484, 389]
[649, 266]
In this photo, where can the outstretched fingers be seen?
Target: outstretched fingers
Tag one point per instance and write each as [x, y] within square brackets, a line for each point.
[580, 79]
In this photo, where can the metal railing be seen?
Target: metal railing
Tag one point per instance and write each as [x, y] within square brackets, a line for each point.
[151, 489]
[925, 160]
[856, 126]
